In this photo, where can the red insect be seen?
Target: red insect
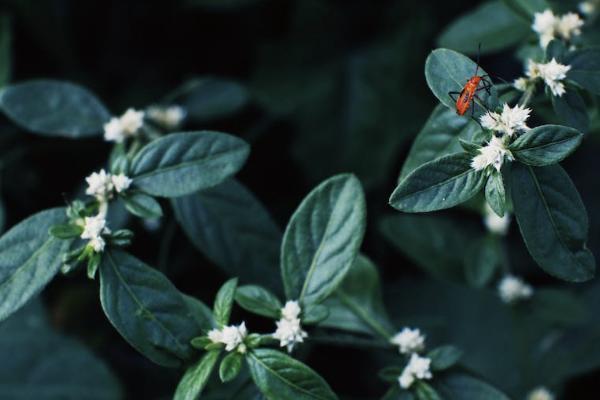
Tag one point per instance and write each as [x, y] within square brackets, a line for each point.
[469, 91]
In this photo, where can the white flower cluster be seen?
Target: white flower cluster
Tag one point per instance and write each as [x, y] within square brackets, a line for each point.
[552, 73]
[540, 393]
[93, 229]
[289, 329]
[120, 128]
[411, 341]
[101, 185]
[169, 117]
[494, 223]
[513, 289]
[492, 154]
[549, 26]
[417, 368]
[231, 336]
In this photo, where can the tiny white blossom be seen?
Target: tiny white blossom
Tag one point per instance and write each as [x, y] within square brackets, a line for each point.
[540, 393]
[492, 154]
[231, 336]
[100, 185]
[544, 24]
[494, 223]
[521, 84]
[93, 228]
[513, 289]
[409, 340]
[553, 73]
[291, 310]
[417, 368]
[587, 7]
[113, 132]
[569, 25]
[511, 120]
[121, 182]
[289, 332]
[170, 117]
[128, 124]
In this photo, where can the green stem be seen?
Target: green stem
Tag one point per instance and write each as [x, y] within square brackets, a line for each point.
[527, 96]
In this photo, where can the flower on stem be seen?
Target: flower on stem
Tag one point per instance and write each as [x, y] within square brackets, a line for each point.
[127, 125]
[93, 229]
[417, 368]
[409, 340]
[121, 182]
[289, 332]
[549, 26]
[494, 223]
[513, 289]
[492, 154]
[552, 73]
[291, 310]
[540, 393]
[100, 185]
[231, 336]
[510, 121]
[169, 117]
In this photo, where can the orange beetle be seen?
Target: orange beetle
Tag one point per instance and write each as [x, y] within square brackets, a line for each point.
[469, 91]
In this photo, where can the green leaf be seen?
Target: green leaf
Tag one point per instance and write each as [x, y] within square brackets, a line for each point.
[142, 205]
[29, 259]
[200, 313]
[390, 374]
[234, 230]
[230, 366]
[224, 302]
[482, 261]
[65, 231]
[279, 376]
[553, 221]
[210, 98]
[196, 377]
[396, 394]
[545, 145]
[322, 239]
[185, 162]
[436, 244]
[314, 313]
[258, 300]
[438, 137]
[556, 49]
[438, 184]
[558, 306]
[423, 391]
[444, 357]
[5, 49]
[527, 8]
[585, 68]
[459, 386]
[54, 108]
[495, 194]
[448, 71]
[146, 309]
[502, 29]
[571, 109]
[357, 304]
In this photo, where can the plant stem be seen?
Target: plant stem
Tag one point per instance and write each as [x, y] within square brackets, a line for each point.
[527, 96]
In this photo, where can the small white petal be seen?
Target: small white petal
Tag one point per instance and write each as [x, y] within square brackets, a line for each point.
[121, 182]
[291, 310]
[409, 340]
[417, 368]
[513, 289]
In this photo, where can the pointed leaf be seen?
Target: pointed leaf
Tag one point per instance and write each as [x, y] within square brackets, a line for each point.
[142, 205]
[571, 109]
[258, 300]
[224, 302]
[495, 194]
[545, 145]
[585, 68]
[196, 377]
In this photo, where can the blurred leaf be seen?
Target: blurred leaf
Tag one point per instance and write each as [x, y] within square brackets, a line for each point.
[545, 145]
[492, 25]
[434, 243]
[357, 304]
[29, 259]
[444, 357]
[482, 261]
[5, 49]
[423, 391]
[558, 306]
[54, 108]
[224, 302]
[438, 184]
[438, 138]
[322, 239]
[200, 313]
[553, 221]
[279, 376]
[41, 364]
[196, 377]
[142, 205]
[259, 301]
[460, 386]
[571, 109]
[146, 309]
[233, 229]
[183, 163]
[527, 8]
[585, 68]
[448, 71]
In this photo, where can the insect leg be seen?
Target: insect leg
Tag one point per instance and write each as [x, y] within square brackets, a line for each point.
[454, 93]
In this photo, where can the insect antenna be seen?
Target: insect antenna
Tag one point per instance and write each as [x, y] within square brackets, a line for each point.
[478, 54]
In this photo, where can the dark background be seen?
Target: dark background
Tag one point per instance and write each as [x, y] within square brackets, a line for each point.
[301, 62]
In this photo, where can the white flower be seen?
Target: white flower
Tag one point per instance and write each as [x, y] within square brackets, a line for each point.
[569, 25]
[544, 24]
[231, 336]
[100, 185]
[291, 310]
[121, 182]
[93, 228]
[169, 117]
[491, 154]
[521, 84]
[417, 368]
[513, 289]
[409, 341]
[289, 332]
[494, 223]
[540, 393]
[587, 7]
[118, 129]
[553, 73]
[509, 121]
